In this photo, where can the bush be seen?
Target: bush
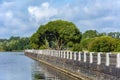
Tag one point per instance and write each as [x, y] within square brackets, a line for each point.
[85, 43]
[77, 47]
[102, 44]
[117, 45]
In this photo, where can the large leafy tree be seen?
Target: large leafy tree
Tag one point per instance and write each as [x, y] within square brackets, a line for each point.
[57, 34]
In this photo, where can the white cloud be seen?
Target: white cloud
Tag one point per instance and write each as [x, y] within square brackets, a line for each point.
[9, 14]
[45, 5]
[45, 11]
[12, 24]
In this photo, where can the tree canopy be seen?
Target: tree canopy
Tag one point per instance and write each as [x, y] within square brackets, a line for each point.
[102, 44]
[14, 44]
[89, 34]
[57, 34]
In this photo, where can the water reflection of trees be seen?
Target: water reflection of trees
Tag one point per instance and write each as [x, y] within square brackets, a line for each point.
[43, 72]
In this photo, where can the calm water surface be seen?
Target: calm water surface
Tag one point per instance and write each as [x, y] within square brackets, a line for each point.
[16, 66]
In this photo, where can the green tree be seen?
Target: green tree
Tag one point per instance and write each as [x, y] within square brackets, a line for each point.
[56, 35]
[14, 38]
[85, 43]
[14, 43]
[102, 34]
[102, 44]
[89, 34]
[117, 45]
[114, 34]
[77, 47]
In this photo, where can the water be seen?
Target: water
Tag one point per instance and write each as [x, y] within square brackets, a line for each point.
[16, 66]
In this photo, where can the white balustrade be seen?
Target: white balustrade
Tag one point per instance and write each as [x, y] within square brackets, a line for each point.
[75, 55]
[118, 60]
[85, 58]
[64, 54]
[99, 58]
[71, 54]
[79, 56]
[107, 59]
[57, 53]
[91, 57]
[67, 54]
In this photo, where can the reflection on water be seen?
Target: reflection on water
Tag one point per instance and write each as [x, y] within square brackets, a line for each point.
[16, 66]
[48, 73]
[40, 71]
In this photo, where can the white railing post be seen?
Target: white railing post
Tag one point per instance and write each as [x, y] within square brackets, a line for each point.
[85, 59]
[55, 53]
[99, 58]
[67, 54]
[107, 59]
[61, 54]
[64, 54]
[79, 56]
[118, 60]
[91, 57]
[70, 54]
[75, 55]
[52, 53]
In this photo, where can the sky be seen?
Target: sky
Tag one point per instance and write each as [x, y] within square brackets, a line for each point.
[23, 17]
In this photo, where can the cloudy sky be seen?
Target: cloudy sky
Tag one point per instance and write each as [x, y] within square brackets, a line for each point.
[23, 17]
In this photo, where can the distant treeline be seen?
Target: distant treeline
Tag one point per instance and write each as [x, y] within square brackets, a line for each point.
[14, 44]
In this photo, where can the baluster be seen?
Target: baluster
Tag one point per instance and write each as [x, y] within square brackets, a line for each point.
[107, 59]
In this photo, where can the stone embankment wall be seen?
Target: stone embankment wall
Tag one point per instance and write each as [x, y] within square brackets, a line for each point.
[96, 66]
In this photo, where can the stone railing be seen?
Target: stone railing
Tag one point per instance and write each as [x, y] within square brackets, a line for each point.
[97, 66]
